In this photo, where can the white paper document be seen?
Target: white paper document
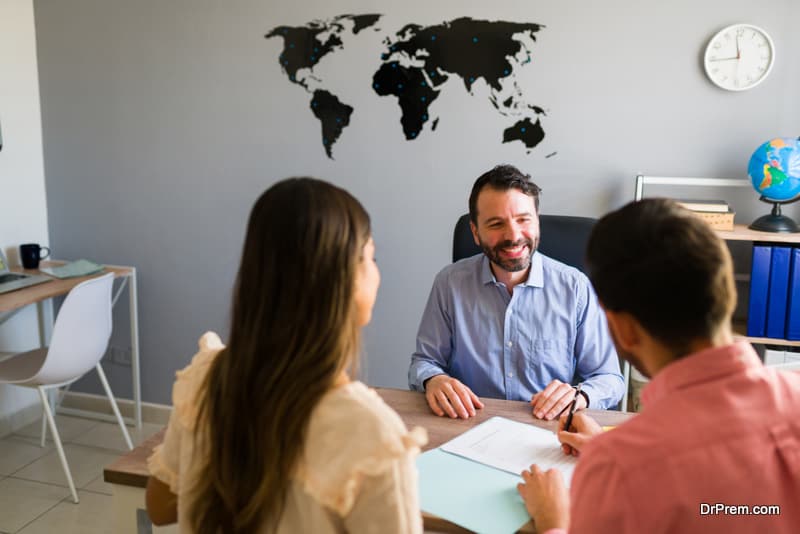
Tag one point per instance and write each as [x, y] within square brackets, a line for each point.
[511, 446]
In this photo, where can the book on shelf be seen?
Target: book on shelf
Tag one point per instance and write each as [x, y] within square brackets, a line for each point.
[759, 291]
[718, 206]
[717, 220]
[793, 304]
[774, 292]
[778, 291]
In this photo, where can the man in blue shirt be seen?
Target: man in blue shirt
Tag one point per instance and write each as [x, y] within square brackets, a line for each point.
[512, 323]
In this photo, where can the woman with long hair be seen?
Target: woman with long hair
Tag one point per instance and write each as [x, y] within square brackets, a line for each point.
[270, 433]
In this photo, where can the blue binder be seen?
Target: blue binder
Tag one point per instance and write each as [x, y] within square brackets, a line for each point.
[793, 305]
[778, 291]
[759, 291]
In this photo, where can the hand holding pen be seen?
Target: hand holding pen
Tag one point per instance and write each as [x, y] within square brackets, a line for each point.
[575, 430]
[572, 406]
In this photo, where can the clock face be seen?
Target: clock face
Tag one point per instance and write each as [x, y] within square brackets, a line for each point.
[739, 57]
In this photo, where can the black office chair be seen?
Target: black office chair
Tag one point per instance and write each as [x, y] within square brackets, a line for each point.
[563, 237]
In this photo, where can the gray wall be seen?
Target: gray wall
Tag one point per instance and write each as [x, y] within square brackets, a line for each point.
[163, 121]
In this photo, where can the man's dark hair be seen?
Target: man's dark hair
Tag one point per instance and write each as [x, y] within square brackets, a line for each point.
[666, 267]
[502, 178]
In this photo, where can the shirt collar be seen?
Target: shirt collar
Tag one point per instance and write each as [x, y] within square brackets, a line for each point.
[703, 366]
[535, 274]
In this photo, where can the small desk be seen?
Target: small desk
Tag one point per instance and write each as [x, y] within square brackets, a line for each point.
[129, 473]
[13, 301]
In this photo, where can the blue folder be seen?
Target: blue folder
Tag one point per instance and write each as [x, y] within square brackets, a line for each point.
[759, 291]
[793, 304]
[778, 291]
[477, 497]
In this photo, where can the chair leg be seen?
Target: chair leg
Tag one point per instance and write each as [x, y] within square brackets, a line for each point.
[114, 407]
[57, 440]
[51, 397]
[44, 428]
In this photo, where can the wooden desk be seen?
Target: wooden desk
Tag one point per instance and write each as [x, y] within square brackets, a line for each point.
[129, 473]
[13, 301]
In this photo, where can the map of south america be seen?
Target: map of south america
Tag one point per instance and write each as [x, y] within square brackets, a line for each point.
[414, 68]
[303, 48]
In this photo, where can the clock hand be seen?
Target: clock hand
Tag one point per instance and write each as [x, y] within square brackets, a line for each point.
[738, 52]
[725, 58]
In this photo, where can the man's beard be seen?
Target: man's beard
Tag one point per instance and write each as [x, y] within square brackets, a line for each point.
[511, 265]
[629, 357]
[635, 362]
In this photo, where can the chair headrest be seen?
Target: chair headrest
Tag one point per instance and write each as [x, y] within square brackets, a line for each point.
[563, 238]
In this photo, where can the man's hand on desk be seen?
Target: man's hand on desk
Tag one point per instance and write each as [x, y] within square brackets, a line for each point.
[582, 430]
[552, 400]
[446, 395]
[546, 498]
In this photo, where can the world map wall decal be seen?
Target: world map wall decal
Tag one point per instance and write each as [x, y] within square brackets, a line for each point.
[414, 66]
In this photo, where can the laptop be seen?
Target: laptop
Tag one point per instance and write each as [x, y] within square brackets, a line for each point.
[12, 281]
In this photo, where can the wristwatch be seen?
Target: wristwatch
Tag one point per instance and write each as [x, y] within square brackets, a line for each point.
[585, 396]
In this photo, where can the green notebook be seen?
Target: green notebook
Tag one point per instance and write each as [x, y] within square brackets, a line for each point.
[73, 269]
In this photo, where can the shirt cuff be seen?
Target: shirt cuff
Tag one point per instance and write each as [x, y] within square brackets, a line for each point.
[594, 396]
[426, 372]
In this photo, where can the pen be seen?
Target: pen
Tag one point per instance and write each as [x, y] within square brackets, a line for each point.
[565, 408]
[571, 413]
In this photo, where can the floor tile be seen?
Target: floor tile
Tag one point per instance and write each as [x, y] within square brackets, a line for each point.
[85, 463]
[16, 453]
[94, 514]
[22, 501]
[99, 486]
[109, 436]
[68, 428]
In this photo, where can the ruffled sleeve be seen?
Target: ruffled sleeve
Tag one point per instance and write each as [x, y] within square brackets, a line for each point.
[190, 379]
[165, 462]
[355, 438]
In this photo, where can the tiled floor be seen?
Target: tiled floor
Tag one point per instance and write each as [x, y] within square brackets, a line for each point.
[34, 496]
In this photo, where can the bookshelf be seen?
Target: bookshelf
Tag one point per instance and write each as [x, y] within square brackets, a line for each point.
[740, 232]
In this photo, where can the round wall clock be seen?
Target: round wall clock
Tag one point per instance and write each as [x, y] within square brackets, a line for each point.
[739, 57]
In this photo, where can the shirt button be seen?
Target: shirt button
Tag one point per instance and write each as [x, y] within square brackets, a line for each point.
[510, 344]
[510, 375]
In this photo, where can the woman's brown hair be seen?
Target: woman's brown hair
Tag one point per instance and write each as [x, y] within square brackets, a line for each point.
[293, 332]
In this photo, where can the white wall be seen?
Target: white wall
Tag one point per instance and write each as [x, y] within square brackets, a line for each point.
[164, 120]
[23, 208]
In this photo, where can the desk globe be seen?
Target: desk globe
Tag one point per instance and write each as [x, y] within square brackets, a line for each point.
[774, 170]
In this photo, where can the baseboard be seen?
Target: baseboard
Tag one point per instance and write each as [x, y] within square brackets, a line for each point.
[11, 422]
[151, 412]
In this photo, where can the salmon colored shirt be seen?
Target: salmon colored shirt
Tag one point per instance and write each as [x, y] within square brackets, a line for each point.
[717, 429]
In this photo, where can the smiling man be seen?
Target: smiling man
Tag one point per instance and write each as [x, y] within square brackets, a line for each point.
[512, 323]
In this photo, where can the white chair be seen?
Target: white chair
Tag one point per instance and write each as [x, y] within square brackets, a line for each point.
[80, 338]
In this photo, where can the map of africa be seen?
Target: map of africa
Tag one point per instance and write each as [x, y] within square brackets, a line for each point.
[414, 67]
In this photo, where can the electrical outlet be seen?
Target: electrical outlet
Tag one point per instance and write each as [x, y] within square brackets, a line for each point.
[120, 355]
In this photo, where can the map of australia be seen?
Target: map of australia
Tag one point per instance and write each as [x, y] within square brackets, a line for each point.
[414, 68]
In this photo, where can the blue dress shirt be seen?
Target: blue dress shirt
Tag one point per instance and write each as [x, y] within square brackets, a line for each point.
[511, 346]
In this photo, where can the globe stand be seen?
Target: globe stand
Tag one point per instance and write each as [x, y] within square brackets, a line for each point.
[775, 221]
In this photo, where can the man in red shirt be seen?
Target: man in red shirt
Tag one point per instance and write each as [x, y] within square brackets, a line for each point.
[717, 445]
